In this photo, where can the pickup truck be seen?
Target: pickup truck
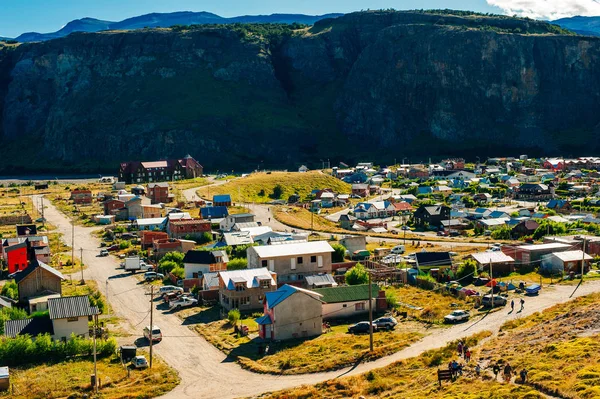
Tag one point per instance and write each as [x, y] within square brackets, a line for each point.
[183, 302]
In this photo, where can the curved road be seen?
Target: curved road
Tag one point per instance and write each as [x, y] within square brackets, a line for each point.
[205, 371]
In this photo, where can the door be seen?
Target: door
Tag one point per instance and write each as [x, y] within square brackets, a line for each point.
[320, 261]
[272, 265]
[293, 263]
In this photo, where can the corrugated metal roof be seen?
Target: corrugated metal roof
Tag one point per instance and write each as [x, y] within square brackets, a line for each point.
[32, 327]
[492, 257]
[320, 280]
[301, 248]
[570, 256]
[252, 277]
[347, 293]
[70, 306]
[276, 297]
[538, 247]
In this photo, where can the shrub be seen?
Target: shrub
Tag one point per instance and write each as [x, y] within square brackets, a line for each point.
[167, 267]
[178, 272]
[357, 275]
[237, 264]
[233, 316]
[466, 270]
[124, 245]
[391, 299]
[10, 290]
[339, 253]
[10, 314]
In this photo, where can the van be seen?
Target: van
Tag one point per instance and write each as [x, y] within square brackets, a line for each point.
[398, 250]
[156, 333]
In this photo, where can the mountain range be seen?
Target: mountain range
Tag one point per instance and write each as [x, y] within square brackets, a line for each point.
[583, 25]
[165, 20]
[374, 85]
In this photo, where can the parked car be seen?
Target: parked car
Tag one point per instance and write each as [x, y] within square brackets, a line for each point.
[128, 236]
[170, 296]
[385, 323]
[151, 276]
[114, 247]
[456, 316]
[442, 233]
[183, 302]
[103, 252]
[495, 300]
[139, 362]
[165, 289]
[398, 250]
[156, 333]
[361, 328]
[454, 233]
[361, 254]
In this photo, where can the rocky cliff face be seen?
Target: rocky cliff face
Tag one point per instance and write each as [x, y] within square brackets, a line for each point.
[383, 85]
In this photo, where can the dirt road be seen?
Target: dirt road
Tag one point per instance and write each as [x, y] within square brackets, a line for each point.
[206, 372]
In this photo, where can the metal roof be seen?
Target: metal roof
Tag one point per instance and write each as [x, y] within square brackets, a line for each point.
[276, 297]
[251, 277]
[543, 247]
[32, 327]
[238, 238]
[301, 248]
[347, 293]
[492, 257]
[70, 306]
[570, 256]
[31, 268]
[320, 280]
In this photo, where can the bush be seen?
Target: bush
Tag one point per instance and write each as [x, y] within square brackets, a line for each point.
[357, 275]
[237, 264]
[167, 267]
[233, 316]
[391, 299]
[10, 290]
[178, 272]
[466, 270]
[10, 314]
[124, 245]
[339, 253]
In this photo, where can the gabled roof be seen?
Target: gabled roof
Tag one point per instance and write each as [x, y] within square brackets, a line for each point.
[26, 229]
[33, 327]
[201, 257]
[238, 238]
[222, 198]
[433, 258]
[318, 280]
[347, 293]
[301, 248]
[251, 277]
[485, 258]
[211, 279]
[570, 256]
[70, 306]
[276, 297]
[214, 212]
[163, 185]
[33, 266]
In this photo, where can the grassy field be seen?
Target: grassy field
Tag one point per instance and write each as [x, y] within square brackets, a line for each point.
[329, 351]
[258, 187]
[300, 218]
[561, 358]
[428, 306]
[72, 379]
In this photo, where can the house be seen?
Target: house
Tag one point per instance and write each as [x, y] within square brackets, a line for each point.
[303, 169]
[231, 220]
[431, 215]
[291, 312]
[346, 221]
[362, 190]
[354, 243]
[535, 192]
[500, 262]
[151, 211]
[188, 227]
[25, 230]
[81, 196]
[444, 190]
[222, 200]
[320, 281]
[138, 190]
[148, 237]
[492, 224]
[235, 238]
[554, 164]
[430, 260]
[278, 237]
[482, 198]
[163, 246]
[402, 207]
[210, 281]
[103, 219]
[407, 198]
[135, 207]
[424, 190]
[214, 212]
[498, 215]
[371, 210]
[196, 263]
[347, 301]
[70, 316]
[155, 171]
[560, 206]
[16, 257]
[531, 254]
[418, 173]
[38, 279]
[524, 228]
[592, 243]
[455, 224]
[113, 205]
[255, 231]
[245, 289]
[152, 224]
[480, 213]
[292, 262]
[158, 193]
[565, 262]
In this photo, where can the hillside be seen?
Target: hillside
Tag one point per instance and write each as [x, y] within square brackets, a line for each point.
[369, 85]
[165, 20]
[582, 25]
[559, 348]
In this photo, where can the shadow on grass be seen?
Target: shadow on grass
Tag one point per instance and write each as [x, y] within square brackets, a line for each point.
[205, 315]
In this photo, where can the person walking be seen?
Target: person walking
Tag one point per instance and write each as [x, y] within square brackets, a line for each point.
[523, 376]
[522, 303]
[468, 355]
[478, 369]
[512, 305]
[465, 350]
[496, 370]
[507, 372]
[460, 348]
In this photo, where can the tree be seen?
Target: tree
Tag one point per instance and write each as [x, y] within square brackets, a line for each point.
[277, 192]
[233, 316]
[10, 290]
[237, 264]
[391, 299]
[502, 233]
[339, 253]
[357, 275]
[467, 269]
[176, 257]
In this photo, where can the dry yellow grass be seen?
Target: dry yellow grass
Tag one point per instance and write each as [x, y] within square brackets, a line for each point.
[72, 379]
[258, 187]
[300, 218]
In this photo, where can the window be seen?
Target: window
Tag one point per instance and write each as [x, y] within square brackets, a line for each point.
[264, 263]
[313, 259]
[70, 319]
[345, 305]
[240, 287]
[265, 284]
[245, 300]
[261, 298]
[299, 260]
[359, 306]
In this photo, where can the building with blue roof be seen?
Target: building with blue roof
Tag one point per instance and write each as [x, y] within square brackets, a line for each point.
[222, 200]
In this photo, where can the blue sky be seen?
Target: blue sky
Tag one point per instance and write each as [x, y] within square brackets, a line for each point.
[19, 16]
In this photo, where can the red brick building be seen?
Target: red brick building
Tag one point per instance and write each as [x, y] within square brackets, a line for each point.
[158, 193]
[148, 237]
[112, 205]
[181, 228]
[81, 196]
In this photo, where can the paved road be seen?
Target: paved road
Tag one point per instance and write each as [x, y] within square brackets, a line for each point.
[207, 373]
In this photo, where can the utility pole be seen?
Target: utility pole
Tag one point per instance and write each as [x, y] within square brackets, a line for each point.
[72, 243]
[370, 314]
[492, 281]
[81, 263]
[107, 307]
[583, 261]
[42, 204]
[95, 364]
[151, 320]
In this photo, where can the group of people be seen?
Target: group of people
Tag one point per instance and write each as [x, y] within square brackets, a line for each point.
[464, 351]
[508, 372]
[512, 305]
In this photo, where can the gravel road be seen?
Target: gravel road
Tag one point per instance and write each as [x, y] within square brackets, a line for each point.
[206, 372]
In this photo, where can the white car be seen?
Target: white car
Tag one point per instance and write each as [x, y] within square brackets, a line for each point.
[398, 250]
[456, 316]
[183, 302]
[139, 362]
[165, 289]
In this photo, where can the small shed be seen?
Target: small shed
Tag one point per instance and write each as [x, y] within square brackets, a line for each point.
[565, 262]
[4, 378]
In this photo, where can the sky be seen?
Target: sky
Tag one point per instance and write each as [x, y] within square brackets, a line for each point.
[19, 16]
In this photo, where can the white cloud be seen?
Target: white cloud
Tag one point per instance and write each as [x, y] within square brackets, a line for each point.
[548, 9]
